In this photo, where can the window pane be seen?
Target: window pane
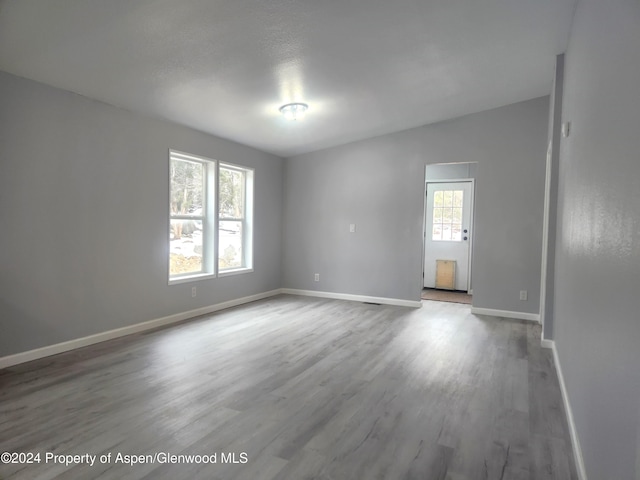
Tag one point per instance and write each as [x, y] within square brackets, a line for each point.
[456, 232]
[457, 215]
[185, 247]
[187, 188]
[229, 244]
[231, 191]
[447, 215]
[457, 198]
[446, 232]
[437, 232]
[437, 215]
[448, 198]
[438, 199]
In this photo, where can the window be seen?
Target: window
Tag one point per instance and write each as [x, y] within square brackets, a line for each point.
[234, 210]
[209, 204]
[191, 232]
[447, 215]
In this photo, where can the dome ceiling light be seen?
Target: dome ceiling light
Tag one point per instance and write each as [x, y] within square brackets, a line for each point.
[294, 111]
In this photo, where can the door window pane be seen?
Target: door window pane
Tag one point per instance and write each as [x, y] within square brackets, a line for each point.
[447, 215]
[446, 231]
[456, 232]
[457, 198]
[448, 198]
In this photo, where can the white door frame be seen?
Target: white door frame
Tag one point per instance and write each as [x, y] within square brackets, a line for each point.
[471, 224]
[545, 235]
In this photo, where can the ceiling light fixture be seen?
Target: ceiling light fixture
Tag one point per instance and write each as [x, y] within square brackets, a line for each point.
[294, 111]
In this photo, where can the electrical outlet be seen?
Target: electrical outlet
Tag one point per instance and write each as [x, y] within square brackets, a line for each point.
[523, 294]
[352, 228]
[316, 277]
[194, 292]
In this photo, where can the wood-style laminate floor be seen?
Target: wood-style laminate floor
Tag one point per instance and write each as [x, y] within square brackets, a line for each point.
[307, 389]
[454, 296]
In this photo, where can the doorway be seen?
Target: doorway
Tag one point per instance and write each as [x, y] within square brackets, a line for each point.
[448, 231]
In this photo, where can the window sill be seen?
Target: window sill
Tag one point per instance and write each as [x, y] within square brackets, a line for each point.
[191, 278]
[234, 271]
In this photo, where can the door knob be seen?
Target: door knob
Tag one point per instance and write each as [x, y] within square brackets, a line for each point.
[465, 230]
[465, 238]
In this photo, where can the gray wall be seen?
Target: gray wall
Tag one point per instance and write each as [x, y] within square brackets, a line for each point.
[83, 203]
[378, 185]
[596, 319]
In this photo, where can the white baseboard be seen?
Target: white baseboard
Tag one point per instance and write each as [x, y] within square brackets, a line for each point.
[354, 298]
[49, 350]
[531, 317]
[575, 442]
[62, 347]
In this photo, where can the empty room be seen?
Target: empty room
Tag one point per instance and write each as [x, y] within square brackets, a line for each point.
[320, 240]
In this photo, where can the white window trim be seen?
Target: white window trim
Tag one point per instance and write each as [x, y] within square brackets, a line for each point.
[188, 277]
[247, 221]
[211, 221]
[234, 271]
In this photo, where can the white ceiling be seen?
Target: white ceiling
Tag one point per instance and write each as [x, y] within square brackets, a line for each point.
[365, 67]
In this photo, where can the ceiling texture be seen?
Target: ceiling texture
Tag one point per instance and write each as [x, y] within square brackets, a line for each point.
[365, 67]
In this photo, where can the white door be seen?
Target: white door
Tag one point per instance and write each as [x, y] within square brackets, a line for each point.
[448, 230]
